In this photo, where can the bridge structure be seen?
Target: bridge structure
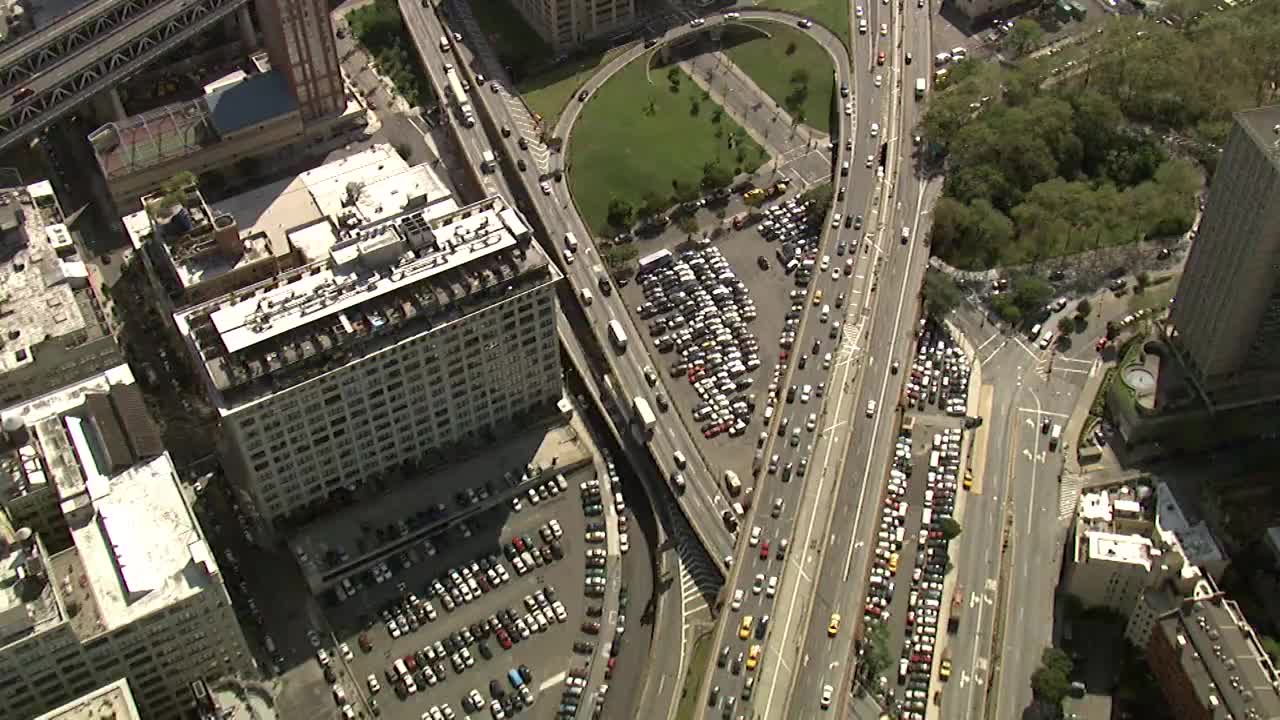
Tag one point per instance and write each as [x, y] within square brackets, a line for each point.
[49, 72]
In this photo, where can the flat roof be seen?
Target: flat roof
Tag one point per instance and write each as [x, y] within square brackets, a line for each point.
[1222, 659]
[380, 284]
[388, 185]
[143, 550]
[251, 101]
[26, 608]
[1132, 549]
[1261, 124]
[113, 701]
[1195, 540]
[42, 296]
[272, 211]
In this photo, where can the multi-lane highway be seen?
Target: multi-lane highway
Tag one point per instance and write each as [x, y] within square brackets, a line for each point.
[838, 533]
[702, 502]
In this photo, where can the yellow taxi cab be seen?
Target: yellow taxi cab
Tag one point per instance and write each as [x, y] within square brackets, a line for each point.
[944, 670]
[744, 631]
[753, 657]
[833, 627]
[968, 479]
[893, 563]
[817, 297]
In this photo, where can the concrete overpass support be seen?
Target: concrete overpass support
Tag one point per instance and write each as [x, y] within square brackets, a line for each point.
[108, 105]
[248, 33]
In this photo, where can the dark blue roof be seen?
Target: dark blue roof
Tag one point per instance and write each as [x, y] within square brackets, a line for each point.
[253, 100]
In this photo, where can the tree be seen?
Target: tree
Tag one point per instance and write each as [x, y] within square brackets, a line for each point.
[1051, 681]
[1025, 36]
[620, 213]
[800, 76]
[791, 48]
[876, 659]
[715, 175]
[1030, 294]
[1143, 279]
[1084, 307]
[673, 76]
[1066, 325]
[618, 257]
[688, 224]
[683, 192]
[950, 528]
[651, 205]
[354, 190]
[941, 293]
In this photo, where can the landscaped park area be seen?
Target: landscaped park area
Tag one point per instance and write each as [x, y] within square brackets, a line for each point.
[651, 137]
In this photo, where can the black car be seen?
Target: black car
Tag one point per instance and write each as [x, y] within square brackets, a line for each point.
[496, 689]
[524, 144]
[857, 223]
[848, 221]
[583, 647]
[506, 131]
[520, 163]
[525, 673]
[908, 58]
[329, 675]
[582, 96]
[483, 649]
[763, 262]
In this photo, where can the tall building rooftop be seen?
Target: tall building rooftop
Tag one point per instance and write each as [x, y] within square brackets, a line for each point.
[1131, 549]
[109, 702]
[281, 225]
[44, 285]
[137, 547]
[379, 284]
[1222, 659]
[1263, 125]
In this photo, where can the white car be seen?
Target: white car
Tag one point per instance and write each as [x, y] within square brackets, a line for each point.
[871, 408]
[875, 131]
[878, 80]
[732, 15]
[322, 656]
[826, 696]
[737, 599]
[374, 685]
[871, 160]
[812, 422]
[773, 586]
[884, 29]
[758, 584]
[546, 187]
[848, 108]
[859, 11]
[347, 655]
[826, 259]
[755, 536]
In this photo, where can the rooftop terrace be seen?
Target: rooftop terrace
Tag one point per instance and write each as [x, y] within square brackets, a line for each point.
[380, 284]
[109, 702]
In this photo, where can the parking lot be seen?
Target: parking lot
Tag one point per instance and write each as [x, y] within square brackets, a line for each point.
[529, 622]
[923, 483]
[719, 347]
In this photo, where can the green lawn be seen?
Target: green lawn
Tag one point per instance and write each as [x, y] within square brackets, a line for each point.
[697, 668]
[548, 93]
[518, 46]
[636, 138]
[767, 61]
[834, 14]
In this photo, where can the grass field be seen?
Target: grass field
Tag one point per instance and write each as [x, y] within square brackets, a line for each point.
[767, 62]
[834, 14]
[636, 138]
[688, 707]
[548, 93]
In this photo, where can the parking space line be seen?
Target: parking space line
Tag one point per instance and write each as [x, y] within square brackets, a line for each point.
[552, 681]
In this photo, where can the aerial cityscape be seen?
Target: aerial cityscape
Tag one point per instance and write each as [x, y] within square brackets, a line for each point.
[878, 360]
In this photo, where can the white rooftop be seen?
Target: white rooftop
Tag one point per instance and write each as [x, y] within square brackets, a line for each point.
[387, 184]
[38, 290]
[109, 702]
[143, 550]
[1133, 549]
[358, 273]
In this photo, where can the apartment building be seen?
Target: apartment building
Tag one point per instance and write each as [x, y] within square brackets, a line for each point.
[137, 592]
[195, 251]
[52, 327]
[1225, 325]
[113, 701]
[1131, 540]
[1210, 664]
[565, 24]
[416, 333]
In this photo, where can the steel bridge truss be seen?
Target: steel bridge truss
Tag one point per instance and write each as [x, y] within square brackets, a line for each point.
[123, 41]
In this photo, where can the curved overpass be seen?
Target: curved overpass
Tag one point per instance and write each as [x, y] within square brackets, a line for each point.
[702, 502]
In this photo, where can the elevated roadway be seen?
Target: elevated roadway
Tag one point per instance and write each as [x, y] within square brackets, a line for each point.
[55, 69]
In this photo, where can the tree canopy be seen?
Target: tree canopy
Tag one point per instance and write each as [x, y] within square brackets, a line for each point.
[1042, 164]
[1051, 681]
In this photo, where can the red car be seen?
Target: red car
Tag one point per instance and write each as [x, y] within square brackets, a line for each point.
[503, 639]
[764, 550]
[1100, 345]
[880, 58]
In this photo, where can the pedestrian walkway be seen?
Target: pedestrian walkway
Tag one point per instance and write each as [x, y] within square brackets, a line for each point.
[1068, 495]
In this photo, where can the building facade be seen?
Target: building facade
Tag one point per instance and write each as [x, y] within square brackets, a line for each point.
[1210, 664]
[137, 593]
[565, 24]
[416, 334]
[52, 327]
[1225, 325]
[299, 39]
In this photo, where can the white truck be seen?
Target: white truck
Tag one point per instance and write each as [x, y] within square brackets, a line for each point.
[617, 336]
[488, 162]
[920, 87]
[644, 414]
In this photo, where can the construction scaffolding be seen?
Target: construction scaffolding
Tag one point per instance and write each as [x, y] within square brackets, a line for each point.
[149, 139]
